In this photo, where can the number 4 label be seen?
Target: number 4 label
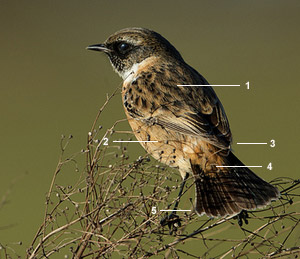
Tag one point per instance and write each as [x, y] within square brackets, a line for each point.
[270, 167]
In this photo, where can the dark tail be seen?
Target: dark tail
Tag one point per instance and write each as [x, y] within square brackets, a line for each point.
[230, 191]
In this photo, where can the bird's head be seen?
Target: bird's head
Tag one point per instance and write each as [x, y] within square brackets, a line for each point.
[131, 46]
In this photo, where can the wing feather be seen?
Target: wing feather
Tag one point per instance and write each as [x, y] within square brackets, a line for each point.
[194, 111]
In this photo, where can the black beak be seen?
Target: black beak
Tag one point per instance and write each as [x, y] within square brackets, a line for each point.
[99, 47]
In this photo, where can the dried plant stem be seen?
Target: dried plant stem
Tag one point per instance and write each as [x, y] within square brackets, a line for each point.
[113, 210]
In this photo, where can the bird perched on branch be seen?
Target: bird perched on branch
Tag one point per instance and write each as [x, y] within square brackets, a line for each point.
[188, 122]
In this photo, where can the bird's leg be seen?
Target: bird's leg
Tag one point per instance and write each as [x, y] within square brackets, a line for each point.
[173, 221]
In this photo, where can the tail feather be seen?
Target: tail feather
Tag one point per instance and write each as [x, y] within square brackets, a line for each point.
[227, 192]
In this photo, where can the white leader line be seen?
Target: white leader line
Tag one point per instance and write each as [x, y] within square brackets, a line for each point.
[208, 85]
[135, 141]
[175, 210]
[240, 143]
[238, 165]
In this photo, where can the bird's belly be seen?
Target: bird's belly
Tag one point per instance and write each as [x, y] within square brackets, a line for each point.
[175, 149]
[166, 146]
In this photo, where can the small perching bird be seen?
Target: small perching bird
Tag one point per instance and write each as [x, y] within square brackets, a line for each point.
[189, 123]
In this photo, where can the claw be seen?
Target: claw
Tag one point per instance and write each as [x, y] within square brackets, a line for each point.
[172, 221]
[242, 216]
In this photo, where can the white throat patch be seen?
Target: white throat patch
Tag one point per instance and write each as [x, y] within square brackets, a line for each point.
[128, 75]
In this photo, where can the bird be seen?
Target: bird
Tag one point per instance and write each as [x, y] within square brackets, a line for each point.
[184, 127]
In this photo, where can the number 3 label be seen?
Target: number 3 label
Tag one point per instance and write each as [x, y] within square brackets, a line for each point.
[272, 143]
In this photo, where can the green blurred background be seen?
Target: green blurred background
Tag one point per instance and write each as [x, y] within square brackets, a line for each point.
[50, 85]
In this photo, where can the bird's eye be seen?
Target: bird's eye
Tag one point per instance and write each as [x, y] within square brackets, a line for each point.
[123, 47]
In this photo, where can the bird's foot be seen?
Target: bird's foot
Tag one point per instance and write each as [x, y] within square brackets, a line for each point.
[242, 216]
[172, 221]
